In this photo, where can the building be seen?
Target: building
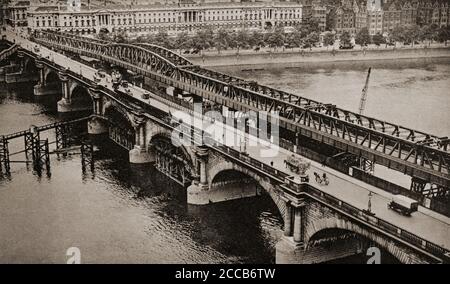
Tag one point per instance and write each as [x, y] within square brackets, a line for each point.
[172, 17]
[392, 14]
[374, 19]
[315, 10]
[350, 17]
[15, 13]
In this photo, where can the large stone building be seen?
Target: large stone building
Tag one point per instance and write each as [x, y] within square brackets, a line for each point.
[374, 19]
[172, 17]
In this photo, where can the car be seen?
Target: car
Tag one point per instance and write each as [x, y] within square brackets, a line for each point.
[124, 83]
[403, 205]
[101, 74]
[146, 95]
[187, 51]
[36, 48]
[196, 51]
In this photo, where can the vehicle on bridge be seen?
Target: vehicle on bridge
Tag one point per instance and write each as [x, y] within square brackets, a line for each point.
[404, 205]
[116, 78]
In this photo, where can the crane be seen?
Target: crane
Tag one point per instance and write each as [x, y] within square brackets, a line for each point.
[362, 103]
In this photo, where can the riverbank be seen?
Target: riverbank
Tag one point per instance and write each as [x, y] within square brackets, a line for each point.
[299, 58]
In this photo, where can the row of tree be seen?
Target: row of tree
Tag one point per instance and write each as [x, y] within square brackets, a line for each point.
[301, 36]
[406, 34]
[305, 36]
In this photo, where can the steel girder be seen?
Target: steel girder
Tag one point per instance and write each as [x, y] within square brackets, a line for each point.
[173, 57]
[413, 152]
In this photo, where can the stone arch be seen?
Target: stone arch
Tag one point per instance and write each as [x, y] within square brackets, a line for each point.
[111, 107]
[261, 181]
[80, 97]
[403, 255]
[186, 151]
[52, 78]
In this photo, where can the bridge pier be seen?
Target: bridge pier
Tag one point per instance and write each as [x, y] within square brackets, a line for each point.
[140, 154]
[197, 192]
[43, 88]
[291, 244]
[97, 125]
[64, 105]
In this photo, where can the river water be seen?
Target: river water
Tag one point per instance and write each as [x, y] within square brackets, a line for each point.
[120, 213]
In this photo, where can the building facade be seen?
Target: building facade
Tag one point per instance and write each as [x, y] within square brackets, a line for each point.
[186, 16]
[15, 13]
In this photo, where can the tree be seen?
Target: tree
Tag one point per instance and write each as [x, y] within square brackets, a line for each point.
[412, 34]
[345, 39]
[182, 41]
[242, 39]
[312, 39]
[275, 38]
[363, 37]
[328, 39]
[398, 34]
[203, 39]
[120, 37]
[256, 38]
[444, 34]
[378, 39]
[103, 34]
[162, 39]
[222, 39]
[294, 39]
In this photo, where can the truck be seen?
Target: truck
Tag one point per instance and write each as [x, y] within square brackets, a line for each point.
[403, 205]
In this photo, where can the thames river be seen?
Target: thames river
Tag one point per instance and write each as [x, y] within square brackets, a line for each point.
[129, 214]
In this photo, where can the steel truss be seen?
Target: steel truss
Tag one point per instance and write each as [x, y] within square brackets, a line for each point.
[412, 152]
[171, 161]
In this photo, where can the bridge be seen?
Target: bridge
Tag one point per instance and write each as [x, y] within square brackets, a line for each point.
[141, 120]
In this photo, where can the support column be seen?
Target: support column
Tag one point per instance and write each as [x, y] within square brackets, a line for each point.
[97, 124]
[140, 154]
[288, 220]
[64, 105]
[298, 225]
[197, 192]
[290, 247]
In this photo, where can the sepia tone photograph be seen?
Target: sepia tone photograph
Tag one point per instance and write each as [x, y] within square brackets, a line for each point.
[246, 132]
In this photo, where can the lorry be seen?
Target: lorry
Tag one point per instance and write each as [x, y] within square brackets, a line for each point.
[403, 205]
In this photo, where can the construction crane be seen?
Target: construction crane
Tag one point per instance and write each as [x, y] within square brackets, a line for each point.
[362, 103]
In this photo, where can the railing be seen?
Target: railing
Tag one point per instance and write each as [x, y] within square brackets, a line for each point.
[44, 127]
[8, 52]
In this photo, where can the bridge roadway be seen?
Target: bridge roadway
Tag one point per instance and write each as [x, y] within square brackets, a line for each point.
[426, 224]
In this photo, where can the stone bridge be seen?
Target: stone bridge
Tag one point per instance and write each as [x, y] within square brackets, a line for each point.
[318, 226]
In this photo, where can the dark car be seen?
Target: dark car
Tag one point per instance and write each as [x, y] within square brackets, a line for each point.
[124, 84]
[196, 51]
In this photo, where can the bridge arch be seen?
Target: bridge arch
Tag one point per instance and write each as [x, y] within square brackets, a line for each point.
[322, 226]
[80, 97]
[117, 114]
[221, 168]
[176, 162]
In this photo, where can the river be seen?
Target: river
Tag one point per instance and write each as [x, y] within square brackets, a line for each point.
[120, 213]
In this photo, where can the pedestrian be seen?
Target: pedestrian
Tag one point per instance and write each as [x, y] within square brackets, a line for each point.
[271, 163]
